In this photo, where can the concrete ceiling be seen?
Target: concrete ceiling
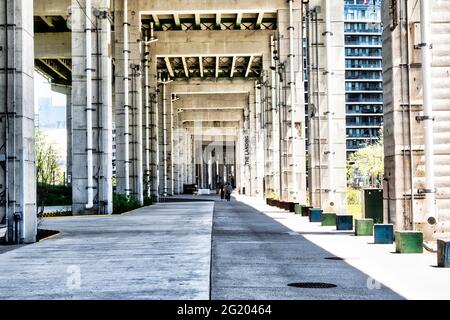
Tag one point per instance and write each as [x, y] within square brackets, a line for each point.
[171, 21]
[210, 66]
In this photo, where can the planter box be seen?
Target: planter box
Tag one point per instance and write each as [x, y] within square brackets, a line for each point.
[409, 242]
[328, 219]
[305, 211]
[444, 253]
[344, 223]
[315, 215]
[364, 227]
[384, 233]
[291, 207]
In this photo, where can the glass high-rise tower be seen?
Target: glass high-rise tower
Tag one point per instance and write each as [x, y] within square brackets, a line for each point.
[363, 76]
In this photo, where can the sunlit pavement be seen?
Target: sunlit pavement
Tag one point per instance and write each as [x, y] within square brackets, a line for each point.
[414, 276]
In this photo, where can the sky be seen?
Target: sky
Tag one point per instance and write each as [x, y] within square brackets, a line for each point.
[43, 90]
[56, 136]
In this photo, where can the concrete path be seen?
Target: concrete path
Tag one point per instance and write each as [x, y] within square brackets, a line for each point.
[256, 257]
[413, 276]
[164, 252]
[161, 252]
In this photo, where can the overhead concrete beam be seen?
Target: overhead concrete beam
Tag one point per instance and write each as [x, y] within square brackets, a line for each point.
[249, 67]
[226, 127]
[213, 6]
[214, 43]
[233, 67]
[212, 115]
[212, 101]
[53, 45]
[51, 7]
[186, 71]
[169, 67]
[48, 21]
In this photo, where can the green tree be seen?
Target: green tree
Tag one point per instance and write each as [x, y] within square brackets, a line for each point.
[368, 163]
[47, 161]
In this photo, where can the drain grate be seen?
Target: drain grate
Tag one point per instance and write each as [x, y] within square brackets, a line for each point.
[312, 285]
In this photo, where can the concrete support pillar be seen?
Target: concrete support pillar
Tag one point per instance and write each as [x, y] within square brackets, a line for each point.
[259, 143]
[318, 130]
[253, 141]
[275, 129]
[135, 107]
[101, 108]
[294, 153]
[17, 170]
[404, 111]
[246, 173]
[171, 152]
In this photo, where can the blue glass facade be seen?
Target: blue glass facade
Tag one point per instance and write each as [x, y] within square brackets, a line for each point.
[363, 62]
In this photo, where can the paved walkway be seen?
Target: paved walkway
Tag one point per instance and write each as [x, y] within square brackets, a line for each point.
[161, 252]
[256, 257]
[164, 252]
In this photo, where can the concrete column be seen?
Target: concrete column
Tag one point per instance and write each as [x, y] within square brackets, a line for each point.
[294, 152]
[405, 185]
[259, 144]
[136, 126]
[135, 72]
[319, 189]
[246, 152]
[17, 172]
[252, 147]
[101, 108]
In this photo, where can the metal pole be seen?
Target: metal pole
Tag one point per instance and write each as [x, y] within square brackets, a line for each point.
[126, 76]
[147, 120]
[164, 99]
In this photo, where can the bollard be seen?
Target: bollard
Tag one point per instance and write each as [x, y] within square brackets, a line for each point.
[328, 219]
[409, 242]
[384, 233]
[363, 227]
[344, 223]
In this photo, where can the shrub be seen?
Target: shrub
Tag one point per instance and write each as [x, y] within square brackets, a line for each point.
[353, 196]
[49, 196]
[124, 203]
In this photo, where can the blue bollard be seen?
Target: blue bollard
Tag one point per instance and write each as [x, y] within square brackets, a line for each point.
[315, 215]
[344, 223]
[384, 233]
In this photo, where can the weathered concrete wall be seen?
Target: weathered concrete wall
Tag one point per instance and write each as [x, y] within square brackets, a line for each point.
[397, 143]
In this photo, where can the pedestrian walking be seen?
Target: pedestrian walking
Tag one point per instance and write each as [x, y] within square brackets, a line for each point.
[228, 191]
[222, 192]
